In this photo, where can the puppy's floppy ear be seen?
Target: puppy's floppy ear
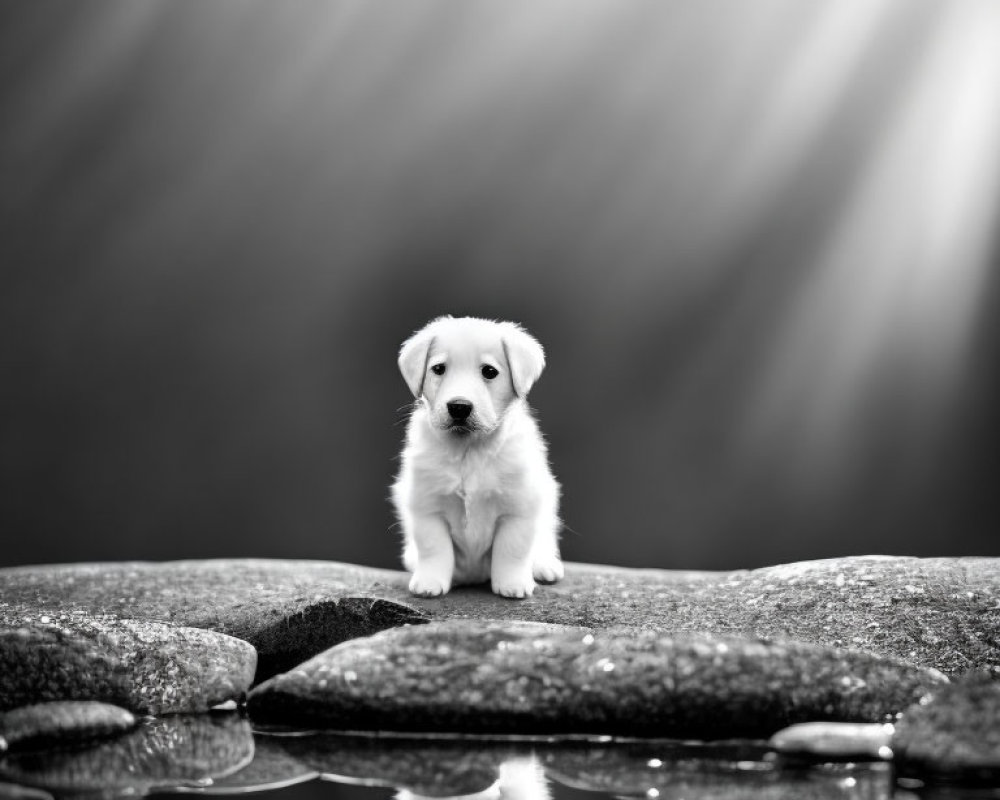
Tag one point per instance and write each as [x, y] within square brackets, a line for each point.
[413, 359]
[525, 357]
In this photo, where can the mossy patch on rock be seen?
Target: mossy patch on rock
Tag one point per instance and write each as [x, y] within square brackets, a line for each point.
[538, 678]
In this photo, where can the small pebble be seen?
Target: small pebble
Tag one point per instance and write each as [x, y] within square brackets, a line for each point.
[836, 740]
[62, 721]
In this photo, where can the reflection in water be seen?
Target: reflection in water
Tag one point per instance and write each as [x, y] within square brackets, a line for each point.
[519, 778]
[218, 755]
[160, 753]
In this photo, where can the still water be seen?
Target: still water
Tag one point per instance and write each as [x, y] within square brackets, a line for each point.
[220, 754]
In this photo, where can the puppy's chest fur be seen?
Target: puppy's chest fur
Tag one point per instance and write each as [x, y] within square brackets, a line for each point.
[472, 492]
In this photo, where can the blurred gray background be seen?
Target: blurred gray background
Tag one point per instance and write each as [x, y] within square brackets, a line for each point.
[758, 240]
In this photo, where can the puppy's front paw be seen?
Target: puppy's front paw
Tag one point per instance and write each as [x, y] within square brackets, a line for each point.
[548, 569]
[427, 584]
[513, 586]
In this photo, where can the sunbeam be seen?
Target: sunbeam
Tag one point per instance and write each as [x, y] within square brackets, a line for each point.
[756, 239]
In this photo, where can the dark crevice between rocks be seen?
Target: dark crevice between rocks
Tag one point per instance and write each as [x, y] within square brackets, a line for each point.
[318, 627]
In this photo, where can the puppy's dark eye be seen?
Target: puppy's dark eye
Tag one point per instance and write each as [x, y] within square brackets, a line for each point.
[489, 372]
[438, 369]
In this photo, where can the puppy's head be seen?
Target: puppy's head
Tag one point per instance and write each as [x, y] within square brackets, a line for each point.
[468, 371]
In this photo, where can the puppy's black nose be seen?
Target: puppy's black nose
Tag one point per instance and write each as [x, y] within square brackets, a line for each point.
[459, 409]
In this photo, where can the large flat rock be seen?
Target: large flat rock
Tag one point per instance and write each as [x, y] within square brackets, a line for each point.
[288, 610]
[941, 613]
[490, 677]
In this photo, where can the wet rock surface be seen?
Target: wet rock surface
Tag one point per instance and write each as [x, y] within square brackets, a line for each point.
[464, 675]
[652, 769]
[431, 767]
[672, 653]
[836, 740]
[952, 733]
[61, 722]
[675, 770]
[272, 767]
[145, 667]
[218, 755]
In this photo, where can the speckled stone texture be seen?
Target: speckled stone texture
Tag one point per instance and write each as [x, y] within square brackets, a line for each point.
[182, 750]
[146, 667]
[537, 678]
[61, 722]
[941, 613]
[289, 610]
[955, 732]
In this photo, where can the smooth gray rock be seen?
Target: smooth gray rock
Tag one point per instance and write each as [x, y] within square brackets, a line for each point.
[289, 610]
[145, 667]
[181, 750]
[954, 732]
[836, 740]
[537, 678]
[65, 721]
[951, 733]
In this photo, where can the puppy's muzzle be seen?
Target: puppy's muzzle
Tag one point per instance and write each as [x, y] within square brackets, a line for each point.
[459, 410]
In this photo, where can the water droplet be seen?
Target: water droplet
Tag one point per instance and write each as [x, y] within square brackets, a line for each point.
[655, 763]
[652, 791]
[588, 639]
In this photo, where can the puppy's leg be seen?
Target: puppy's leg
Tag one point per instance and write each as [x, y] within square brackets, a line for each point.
[510, 571]
[546, 566]
[435, 557]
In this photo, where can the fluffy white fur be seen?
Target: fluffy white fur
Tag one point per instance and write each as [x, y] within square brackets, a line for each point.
[476, 497]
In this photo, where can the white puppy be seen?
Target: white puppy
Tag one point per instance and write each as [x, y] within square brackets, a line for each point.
[475, 494]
